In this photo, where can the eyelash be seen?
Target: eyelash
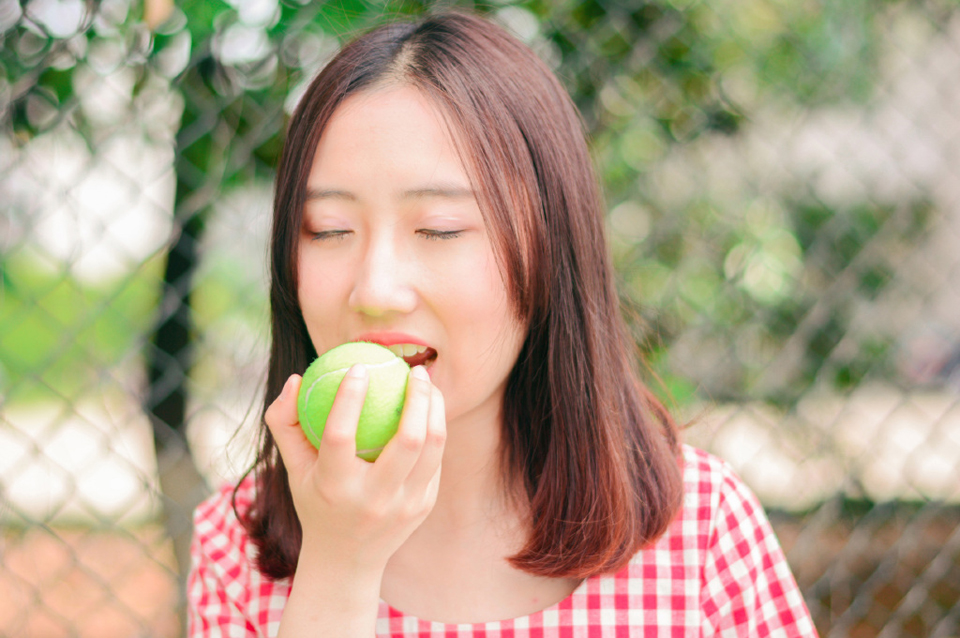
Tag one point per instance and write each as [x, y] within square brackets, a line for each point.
[439, 234]
[338, 235]
[426, 233]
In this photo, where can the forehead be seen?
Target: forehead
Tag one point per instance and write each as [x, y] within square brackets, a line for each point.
[395, 124]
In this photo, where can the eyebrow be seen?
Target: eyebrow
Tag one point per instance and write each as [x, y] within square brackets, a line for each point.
[329, 193]
[445, 192]
[441, 191]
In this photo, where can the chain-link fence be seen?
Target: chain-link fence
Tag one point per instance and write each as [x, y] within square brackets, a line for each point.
[784, 189]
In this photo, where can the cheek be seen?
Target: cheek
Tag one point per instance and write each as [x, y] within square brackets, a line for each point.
[317, 275]
[487, 329]
[319, 291]
[474, 286]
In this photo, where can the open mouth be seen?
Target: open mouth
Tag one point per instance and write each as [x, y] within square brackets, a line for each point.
[414, 355]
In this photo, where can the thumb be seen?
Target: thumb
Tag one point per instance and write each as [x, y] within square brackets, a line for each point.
[284, 424]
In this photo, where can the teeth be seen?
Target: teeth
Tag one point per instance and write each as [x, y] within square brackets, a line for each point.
[406, 349]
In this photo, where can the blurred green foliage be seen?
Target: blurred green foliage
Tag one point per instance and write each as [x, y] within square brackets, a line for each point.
[59, 336]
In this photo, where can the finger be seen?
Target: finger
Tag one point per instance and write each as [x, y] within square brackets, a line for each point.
[338, 443]
[284, 424]
[402, 451]
[427, 469]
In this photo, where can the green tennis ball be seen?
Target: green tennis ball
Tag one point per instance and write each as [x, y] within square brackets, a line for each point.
[382, 406]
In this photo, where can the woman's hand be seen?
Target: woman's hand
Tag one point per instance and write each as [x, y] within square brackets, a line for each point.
[356, 514]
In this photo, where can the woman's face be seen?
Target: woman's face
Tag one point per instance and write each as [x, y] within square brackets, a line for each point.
[393, 249]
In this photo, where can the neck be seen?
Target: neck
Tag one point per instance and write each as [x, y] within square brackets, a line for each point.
[471, 485]
[455, 567]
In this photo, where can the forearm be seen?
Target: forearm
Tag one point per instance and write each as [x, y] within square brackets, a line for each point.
[331, 601]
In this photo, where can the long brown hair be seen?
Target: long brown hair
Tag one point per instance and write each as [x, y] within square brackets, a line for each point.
[588, 447]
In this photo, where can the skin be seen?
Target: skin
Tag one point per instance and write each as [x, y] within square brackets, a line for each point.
[393, 241]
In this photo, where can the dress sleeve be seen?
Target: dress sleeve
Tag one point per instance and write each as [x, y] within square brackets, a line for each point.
[215, 586]
[748, 588]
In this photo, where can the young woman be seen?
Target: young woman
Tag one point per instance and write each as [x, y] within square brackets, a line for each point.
[435, 195]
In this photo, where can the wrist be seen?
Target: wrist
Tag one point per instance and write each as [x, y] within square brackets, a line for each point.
[344, 572]
[330, 598]
[344, 556]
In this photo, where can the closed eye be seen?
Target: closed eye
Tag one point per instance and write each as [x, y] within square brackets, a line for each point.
[429, 233]
[335, 235]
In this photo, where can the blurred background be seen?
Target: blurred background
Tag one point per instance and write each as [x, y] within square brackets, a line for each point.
[783, 181]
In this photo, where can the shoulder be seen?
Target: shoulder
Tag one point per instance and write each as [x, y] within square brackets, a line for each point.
[717, 570]
[226, 593]
[700, 468]
[218, 515]
[710, 486]
[711, 492]
[718, 494]
[220, 541]
[717, 507]
[746, 582]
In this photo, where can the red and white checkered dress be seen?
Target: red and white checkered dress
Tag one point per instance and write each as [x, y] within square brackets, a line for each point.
[718, 571]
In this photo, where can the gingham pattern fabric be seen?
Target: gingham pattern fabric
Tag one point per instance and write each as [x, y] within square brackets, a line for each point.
[718, 571]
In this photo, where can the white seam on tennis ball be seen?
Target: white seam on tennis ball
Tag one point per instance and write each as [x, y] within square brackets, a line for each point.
[329, 372]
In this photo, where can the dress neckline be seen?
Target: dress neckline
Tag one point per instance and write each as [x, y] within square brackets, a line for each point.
[566, 603]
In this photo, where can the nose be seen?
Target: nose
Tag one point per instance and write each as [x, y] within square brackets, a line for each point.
[383, 281]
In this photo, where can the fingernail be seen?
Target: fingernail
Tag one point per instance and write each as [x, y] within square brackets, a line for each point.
[285, 391]
[421, 373]
[357, 371]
